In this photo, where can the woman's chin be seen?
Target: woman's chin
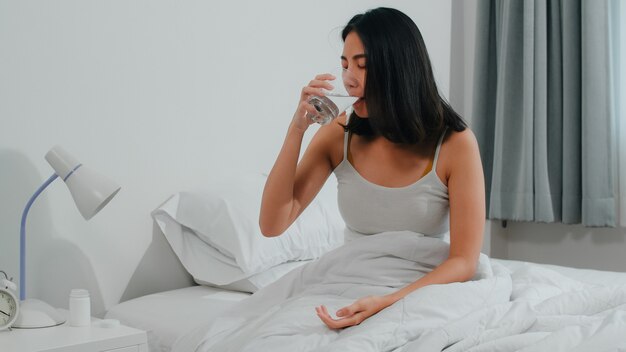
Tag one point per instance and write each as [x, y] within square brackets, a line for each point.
[360, 111]
[359, 108]
[361, 114]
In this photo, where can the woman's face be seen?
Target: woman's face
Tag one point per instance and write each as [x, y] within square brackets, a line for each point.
[353, 59]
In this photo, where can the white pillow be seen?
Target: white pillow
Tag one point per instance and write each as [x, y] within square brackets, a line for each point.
[257, 281]
[216, 236]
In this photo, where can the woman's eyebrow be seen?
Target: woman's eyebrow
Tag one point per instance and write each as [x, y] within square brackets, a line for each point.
[354, 57]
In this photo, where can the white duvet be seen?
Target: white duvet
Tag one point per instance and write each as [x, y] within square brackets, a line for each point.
[532, 309]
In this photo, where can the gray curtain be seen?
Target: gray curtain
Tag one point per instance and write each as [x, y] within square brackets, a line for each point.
[545, 109]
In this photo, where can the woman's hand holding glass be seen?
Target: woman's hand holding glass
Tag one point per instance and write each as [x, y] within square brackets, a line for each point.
[325, 98]
[314, 88]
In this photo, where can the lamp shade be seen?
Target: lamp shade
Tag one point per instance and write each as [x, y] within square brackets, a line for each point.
[91, 191]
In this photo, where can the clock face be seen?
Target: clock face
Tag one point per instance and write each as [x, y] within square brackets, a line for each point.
[8, 308]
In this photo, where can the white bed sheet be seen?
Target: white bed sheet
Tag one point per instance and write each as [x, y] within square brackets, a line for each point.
[167, 315]
[590, 276]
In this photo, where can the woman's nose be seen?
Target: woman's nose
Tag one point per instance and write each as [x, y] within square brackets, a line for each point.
[352, 84]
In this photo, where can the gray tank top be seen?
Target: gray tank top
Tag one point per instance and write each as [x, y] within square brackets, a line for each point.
[368, 208]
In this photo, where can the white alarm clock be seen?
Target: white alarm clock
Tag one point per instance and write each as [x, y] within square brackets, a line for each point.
[9, 304]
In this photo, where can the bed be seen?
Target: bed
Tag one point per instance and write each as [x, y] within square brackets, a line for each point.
[507, 306]
[169, 315]
[178, 316]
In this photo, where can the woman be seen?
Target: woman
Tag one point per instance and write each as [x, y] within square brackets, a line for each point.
[404, 160]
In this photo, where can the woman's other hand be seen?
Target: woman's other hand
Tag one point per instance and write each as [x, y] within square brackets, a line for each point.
[355, 313]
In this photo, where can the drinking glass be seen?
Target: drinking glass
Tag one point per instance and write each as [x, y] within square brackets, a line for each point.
[337, 100]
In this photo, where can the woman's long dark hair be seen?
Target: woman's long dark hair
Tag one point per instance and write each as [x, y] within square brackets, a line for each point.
[403, 102]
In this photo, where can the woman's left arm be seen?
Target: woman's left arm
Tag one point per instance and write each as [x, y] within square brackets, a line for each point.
[466, 191]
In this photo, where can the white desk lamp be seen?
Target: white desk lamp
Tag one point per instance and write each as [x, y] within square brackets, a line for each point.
[91, 192]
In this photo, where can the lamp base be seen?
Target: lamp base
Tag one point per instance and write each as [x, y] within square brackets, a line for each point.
[37, 314]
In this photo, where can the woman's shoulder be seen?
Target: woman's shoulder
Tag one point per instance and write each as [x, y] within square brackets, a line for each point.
[330, 139]
[459, 149]
[333, 131]
[460, 141]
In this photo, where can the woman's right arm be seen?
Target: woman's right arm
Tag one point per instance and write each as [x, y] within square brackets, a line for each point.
[291, 186]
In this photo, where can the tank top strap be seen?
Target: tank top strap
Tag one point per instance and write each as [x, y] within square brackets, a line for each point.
[346, 140]
[346, 143]
[439, 148]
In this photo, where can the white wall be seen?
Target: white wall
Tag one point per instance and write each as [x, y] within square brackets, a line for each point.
[570, 245]
[161, 96]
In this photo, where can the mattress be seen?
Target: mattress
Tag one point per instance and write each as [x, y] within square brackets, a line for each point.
[169, 315]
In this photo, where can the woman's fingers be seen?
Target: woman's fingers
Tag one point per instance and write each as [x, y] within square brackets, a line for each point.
[308, 108]
[351, 320]
[325, 76]
[326, 319]
[315, 87]
[321, 84]
[353, 314]
[313, 91]
[322, 313]
[326, 311]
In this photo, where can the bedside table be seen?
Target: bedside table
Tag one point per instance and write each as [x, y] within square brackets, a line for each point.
[66, 338]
